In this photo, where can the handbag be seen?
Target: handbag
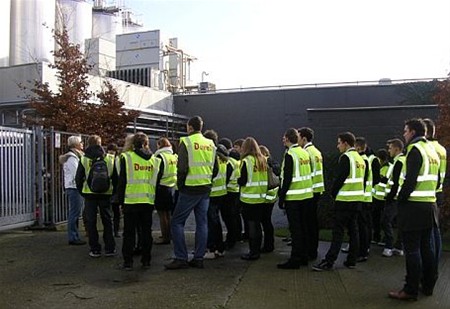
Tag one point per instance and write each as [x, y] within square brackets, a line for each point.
[273, 181]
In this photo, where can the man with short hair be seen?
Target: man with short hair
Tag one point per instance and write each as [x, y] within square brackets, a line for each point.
[348, 192]
[306, 137]
[393, 179]
[417, 215]
[196, 168]
[295, 195]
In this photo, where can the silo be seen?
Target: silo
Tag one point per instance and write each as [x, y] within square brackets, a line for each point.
[5, 11]
[106, 24]
[32, 22]
[76, 16]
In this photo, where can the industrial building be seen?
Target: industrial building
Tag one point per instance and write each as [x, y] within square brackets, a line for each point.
[144, 67]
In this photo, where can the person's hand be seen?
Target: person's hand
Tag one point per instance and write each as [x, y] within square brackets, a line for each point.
[281, 203]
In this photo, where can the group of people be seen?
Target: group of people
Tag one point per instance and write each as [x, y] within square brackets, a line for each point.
[217, 179]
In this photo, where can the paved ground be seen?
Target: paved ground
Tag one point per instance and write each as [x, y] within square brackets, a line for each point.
[39, 270]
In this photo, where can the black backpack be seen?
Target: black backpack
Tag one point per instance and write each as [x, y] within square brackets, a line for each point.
[98, 180]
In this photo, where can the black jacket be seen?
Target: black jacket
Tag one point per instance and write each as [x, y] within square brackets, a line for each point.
[414, 215]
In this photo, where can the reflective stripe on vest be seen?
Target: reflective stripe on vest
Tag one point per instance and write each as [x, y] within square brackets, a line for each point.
[379, 190]
[402, 158]
[369, 180]
[201, 155]
[254, 191]
[316, 168]
[301, 185]
[169, 177]
[219, 187]
[141, 178]
[442, 153]
[233, 185]
[353, 188]
[87, 163]
[425, 190]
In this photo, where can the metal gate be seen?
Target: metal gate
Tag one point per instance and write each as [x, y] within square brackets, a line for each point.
[17, 175]
[52, 144]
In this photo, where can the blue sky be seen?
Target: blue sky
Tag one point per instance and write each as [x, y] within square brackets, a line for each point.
[267, 43]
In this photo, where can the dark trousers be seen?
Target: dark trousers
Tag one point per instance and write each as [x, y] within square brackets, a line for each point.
[344, 219]
[421, 261]
[364, 229]
[267, 226]
[139, 215]
[215, 234]
[377, 210]
[116, 218]
[387, 221]
[296, 213]
[103, 205]
[253, 214]
[312, 224]
[229, 212]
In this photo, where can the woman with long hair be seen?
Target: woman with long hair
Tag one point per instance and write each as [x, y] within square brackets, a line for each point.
[165, 187]
[271, 198]
[253, 182]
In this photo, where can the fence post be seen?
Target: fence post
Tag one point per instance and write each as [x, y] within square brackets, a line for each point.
[40, 212]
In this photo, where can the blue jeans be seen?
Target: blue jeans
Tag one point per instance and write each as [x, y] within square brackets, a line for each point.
[75, 206]
[185, 204]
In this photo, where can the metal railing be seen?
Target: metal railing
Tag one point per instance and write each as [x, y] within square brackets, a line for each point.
[17, 175]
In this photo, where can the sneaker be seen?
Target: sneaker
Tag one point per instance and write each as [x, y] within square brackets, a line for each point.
[95, 254]
[345, 249]
[289, 265]
[387, 252]
[209, 255]
[126, 266]
[111, 253]
[324, 265]
[381, 243]
[177, 264]
[398, 252]
[196, 263]
[349, 265]
[362, 259]
[217, 253]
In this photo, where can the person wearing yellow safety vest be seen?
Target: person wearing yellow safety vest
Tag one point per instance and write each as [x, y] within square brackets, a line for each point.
[217, 201]
[348, 192]
[417, 215]
[392, 181]
[253, 182]
[94, 202]
[365, 215]
[165, 189]
[378, 195]
[442, 153]
[231, 210]
[295, 195]
[271, 198]
[306, 141]
[136, 192]
[196, 168]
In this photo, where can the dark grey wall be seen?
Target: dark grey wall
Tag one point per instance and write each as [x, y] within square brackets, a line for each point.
[376, 112]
